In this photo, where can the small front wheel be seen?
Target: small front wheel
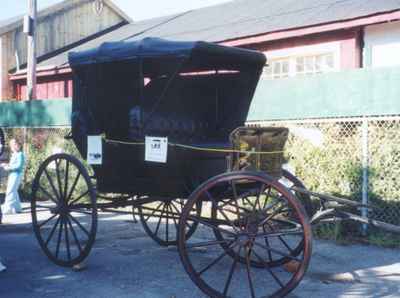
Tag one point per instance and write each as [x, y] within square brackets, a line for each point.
[160, 220]
[64, 212]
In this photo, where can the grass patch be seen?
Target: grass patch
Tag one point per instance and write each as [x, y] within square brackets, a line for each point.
[383, 239]
[346, 233]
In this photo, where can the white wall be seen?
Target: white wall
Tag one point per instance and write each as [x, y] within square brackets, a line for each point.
[382, 45]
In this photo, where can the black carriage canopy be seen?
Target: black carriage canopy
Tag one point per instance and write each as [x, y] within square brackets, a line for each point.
[193, 92]
[203, 55]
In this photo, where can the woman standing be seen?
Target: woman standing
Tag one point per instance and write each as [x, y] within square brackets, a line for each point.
[15, 169]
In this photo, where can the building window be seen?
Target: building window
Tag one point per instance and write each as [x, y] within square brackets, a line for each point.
[314, 64]
[278, 68]
[299, 65]
[300, 61]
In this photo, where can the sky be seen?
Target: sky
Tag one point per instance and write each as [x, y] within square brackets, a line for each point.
[136, 9]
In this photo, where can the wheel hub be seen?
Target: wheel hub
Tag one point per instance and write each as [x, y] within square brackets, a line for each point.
[60, 209]
[252, 224]
[252, 228]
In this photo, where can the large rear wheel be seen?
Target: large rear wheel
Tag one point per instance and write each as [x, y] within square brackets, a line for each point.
[262, 227]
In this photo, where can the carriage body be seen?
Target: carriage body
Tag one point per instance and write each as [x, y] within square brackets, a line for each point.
[212, 191]
[253, 225]
[194, 93]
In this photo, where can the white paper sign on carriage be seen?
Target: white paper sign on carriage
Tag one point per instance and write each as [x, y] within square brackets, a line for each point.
[94, 150]
[156, 149]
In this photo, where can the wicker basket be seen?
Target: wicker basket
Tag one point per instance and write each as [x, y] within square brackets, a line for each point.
[259, 139]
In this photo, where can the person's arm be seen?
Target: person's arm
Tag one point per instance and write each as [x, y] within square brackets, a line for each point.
[16, 163]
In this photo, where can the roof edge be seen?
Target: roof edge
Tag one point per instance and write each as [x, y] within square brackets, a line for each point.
[72, 46]
[118, 10]
[366, 20]
[44, 71]
[51, 9]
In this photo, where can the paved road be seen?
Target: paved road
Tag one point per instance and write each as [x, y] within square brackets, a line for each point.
[126, 263]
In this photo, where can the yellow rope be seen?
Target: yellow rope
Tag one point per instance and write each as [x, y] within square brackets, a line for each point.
[122, 142]
[198, 148]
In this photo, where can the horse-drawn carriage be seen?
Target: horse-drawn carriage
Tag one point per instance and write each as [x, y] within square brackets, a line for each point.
[161, 123]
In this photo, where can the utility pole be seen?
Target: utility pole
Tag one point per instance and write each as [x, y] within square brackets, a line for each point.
[30, 30]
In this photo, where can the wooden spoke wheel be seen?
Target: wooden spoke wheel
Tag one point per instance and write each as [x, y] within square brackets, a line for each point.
[64, 214]
[288, 180]
[257, 236]
[160, 220]
[252, 200]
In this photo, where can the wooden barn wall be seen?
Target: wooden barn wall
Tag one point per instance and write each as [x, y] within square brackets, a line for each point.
[6, 60]
[64, 27]
[57, 86]
[4, 83]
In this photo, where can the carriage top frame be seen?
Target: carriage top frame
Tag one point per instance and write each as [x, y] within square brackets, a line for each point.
[199, 55]
[194, 93]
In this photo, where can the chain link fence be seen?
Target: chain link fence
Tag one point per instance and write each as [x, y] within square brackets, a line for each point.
[356, 157]
[384, 168]
[334, 156]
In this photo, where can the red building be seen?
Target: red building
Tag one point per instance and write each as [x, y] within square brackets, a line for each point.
[302, 39]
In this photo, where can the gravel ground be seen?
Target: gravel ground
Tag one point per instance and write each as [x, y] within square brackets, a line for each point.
[125, 262]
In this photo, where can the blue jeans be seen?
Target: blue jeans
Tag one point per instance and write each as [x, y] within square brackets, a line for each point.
[12, 202]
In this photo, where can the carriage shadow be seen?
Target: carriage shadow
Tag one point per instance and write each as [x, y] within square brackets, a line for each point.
[352, 270]
[126, 260]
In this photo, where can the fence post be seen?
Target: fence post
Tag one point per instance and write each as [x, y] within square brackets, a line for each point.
[364, 142]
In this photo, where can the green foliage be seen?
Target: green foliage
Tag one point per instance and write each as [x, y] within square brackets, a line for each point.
[334, 166]
[39, 144]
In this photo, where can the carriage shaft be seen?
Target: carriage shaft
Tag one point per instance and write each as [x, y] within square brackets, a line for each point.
[330, 197]
[375, 223]
[333, 215]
